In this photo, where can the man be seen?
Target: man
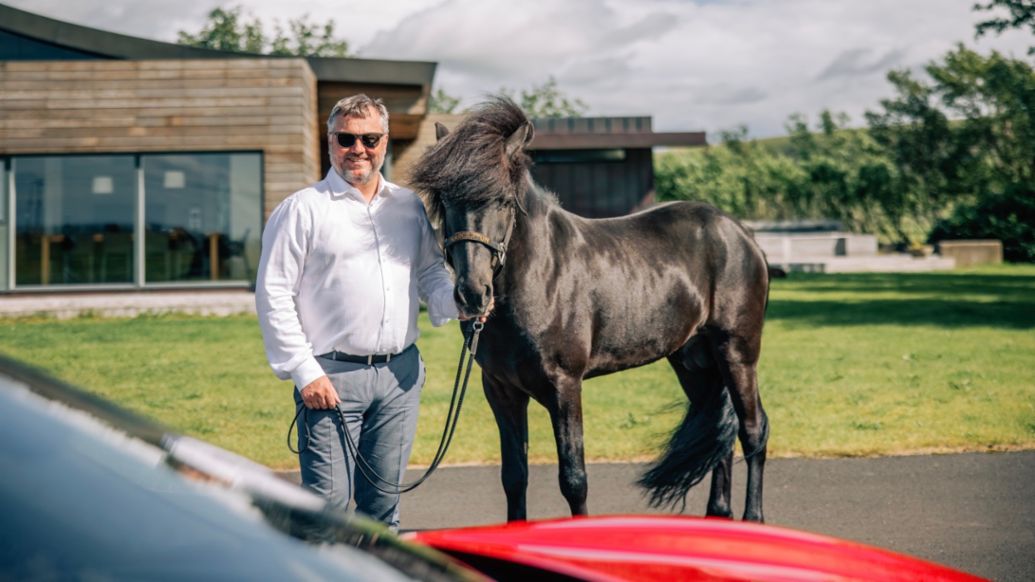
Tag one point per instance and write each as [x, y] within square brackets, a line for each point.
[343, 263]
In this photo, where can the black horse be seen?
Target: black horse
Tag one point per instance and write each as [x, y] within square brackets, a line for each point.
[577, 298]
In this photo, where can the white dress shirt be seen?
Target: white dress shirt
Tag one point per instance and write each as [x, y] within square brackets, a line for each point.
[337, 273]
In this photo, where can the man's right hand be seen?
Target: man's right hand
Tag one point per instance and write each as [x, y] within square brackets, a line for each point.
[320, 394]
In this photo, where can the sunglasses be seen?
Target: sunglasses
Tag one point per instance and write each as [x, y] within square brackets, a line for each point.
[369, 140]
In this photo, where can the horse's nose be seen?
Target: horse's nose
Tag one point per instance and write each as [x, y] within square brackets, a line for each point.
[459, 295]
[472, 298]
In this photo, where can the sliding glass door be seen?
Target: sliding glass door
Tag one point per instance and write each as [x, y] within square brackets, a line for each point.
[74, 219]
[132, 219]
[201, 217]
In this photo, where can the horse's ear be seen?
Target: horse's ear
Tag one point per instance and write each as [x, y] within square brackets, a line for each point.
[519, 139]
[441, 131]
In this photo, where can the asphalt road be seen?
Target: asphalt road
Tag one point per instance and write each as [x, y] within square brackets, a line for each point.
[974, 512]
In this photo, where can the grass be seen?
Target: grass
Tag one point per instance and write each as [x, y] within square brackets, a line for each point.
[852, 365]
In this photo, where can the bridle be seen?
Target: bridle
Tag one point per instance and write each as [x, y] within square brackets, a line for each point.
[498, 250]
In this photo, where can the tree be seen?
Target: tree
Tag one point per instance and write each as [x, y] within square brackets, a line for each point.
[827, 172]
[227, 29]
[740, 176]
[442, 102]
[308, 39]
[547, 101]
[963, 141]
[1021, 14]
[951, 155]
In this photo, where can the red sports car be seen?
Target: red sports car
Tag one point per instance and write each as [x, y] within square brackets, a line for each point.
[637, 547]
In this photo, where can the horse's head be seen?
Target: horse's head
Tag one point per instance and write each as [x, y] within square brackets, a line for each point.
[472, 181]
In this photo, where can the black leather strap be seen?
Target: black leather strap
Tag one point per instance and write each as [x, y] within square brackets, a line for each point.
[368, 360]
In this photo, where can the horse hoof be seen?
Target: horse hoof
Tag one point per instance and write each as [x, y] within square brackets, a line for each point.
[721, 513]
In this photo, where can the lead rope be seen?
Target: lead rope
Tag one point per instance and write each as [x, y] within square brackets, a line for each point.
[468, 350]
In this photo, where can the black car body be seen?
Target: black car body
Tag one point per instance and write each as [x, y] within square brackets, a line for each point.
[90, 491]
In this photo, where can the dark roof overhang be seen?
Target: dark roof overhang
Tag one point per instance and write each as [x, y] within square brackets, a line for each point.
[112, 45]
[593, 141]
[598, 133]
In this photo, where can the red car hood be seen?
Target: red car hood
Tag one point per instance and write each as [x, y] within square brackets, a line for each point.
[675, 548]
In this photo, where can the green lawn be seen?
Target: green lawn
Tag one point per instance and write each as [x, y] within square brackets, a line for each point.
[852, 365]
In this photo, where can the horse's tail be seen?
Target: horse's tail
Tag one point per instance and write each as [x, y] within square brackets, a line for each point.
[704, 438]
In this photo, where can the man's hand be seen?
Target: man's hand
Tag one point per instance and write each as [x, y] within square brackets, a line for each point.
[320, 394]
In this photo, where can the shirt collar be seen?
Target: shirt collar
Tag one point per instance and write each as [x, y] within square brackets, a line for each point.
[339, 187]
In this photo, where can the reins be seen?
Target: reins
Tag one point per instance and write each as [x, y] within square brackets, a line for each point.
[468, 350]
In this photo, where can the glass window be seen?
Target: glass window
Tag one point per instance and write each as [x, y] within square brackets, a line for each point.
[202, 216]
[74, 219]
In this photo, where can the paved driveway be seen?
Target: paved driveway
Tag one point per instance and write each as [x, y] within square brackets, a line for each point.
[975, 512]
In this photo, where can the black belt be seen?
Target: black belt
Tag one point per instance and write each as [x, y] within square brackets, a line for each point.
[368, 360]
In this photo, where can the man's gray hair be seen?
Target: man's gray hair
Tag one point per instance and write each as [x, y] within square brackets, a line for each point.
[358, 106]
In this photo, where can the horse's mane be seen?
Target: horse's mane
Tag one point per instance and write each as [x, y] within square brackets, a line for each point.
[468, 167]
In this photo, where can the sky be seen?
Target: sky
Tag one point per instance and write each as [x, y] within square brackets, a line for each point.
[692, 65]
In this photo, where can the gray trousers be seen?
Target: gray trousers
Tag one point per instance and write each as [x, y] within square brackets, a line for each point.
[380, 404]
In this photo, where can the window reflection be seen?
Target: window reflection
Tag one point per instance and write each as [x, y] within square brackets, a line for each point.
[201, 217]
[74, 219]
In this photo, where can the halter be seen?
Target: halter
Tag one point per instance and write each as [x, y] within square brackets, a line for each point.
[499, 250]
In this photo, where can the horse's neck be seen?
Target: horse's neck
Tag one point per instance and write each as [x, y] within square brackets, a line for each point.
[534, 209]
[536, 247]
[533, 223]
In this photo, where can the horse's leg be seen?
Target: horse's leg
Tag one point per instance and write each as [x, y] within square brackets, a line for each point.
[722, 486]
[510, 407]
[566, 416]
[695, 368]
[738, 358]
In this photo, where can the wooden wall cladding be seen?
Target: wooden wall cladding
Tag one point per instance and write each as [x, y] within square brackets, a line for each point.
[267, 105]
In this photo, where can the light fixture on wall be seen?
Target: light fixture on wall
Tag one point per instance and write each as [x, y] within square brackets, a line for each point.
[103, 185]
[174, 180]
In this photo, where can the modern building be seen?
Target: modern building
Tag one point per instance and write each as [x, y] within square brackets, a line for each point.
[127, 163]
[601, 167]
[597, 166]
[130, 163]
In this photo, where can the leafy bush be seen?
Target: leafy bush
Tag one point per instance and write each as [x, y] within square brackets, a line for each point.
[948, 156]
[1008, 217]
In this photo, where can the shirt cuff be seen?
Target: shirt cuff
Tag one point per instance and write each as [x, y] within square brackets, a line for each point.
[442, 308]
[308, 371]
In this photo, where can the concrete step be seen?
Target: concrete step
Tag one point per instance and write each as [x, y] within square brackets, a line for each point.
[128, 304]
[872, 264]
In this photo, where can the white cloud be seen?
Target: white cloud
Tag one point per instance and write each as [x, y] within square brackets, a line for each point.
[692, 65]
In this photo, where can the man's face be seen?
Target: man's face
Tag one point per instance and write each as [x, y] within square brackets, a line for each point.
[358, 164]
